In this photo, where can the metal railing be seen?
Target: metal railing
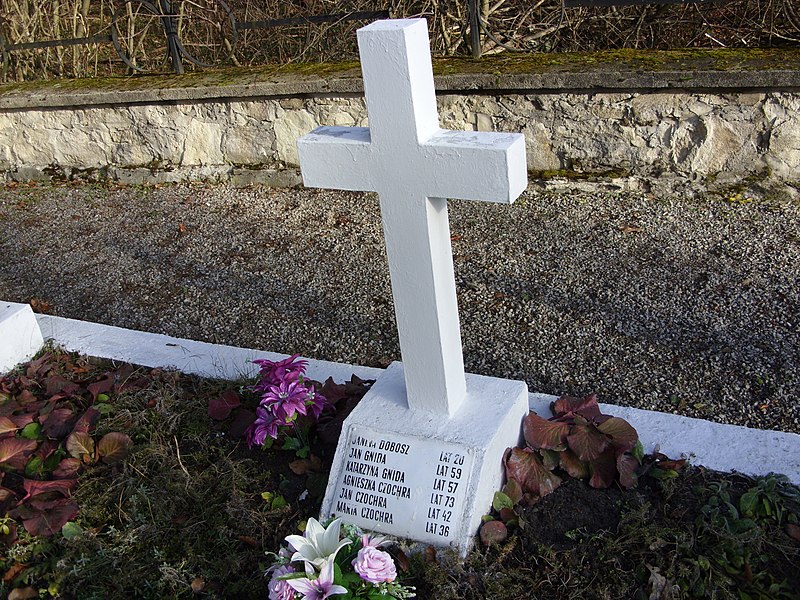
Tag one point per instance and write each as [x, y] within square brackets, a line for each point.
[147, 34]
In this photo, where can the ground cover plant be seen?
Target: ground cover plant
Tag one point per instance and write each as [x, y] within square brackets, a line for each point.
[187, 508]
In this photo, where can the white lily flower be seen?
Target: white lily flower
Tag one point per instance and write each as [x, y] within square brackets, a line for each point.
[317, 544]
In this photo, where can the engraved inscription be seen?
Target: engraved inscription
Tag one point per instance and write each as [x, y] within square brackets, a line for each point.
[410, 487]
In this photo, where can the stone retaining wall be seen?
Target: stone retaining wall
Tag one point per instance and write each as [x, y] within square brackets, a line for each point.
[657, 134]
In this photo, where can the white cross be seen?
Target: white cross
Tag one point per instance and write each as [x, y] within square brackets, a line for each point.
[414, 166]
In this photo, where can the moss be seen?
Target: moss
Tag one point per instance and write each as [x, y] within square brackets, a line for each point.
[496, 65]
[578, 175]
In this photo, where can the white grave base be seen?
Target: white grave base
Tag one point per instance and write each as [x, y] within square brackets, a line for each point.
[20, 337]
[419, 475]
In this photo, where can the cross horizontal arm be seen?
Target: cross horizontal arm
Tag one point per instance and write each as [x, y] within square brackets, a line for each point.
[337, 158]
[480, 165]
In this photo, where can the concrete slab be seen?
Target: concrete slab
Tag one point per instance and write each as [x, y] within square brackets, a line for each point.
[714, 445]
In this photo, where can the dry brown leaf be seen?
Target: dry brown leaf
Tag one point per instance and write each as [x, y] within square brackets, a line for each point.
[15, 570]
[303, 466]
[793, 531]
[630, 229]
[27, 593]
[41, 306]
[198, 585]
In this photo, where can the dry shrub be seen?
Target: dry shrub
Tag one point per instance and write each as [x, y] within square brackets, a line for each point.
[531, 26]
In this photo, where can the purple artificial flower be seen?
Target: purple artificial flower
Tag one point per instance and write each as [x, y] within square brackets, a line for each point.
[374, 566]
[320, 588]
[315, 402]
[265, 425]
[279, 589]
[285, 399]
[273, 372]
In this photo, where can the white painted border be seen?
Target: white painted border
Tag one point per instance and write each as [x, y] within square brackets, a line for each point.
[713, 445]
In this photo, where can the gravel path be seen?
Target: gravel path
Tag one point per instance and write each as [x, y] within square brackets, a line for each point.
[688, 306]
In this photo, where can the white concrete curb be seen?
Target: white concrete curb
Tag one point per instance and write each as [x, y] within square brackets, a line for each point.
[713, 445]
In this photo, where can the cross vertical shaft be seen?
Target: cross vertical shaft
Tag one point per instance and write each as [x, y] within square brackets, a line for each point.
[414, 165]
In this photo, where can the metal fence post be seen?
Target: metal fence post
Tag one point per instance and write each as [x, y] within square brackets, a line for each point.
[172, 37]
[474, 28]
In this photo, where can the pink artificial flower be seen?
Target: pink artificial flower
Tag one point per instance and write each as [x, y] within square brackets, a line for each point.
[285, 399]
[320, 588]
[273, 372]
[374, 566]
[279, 589]
[373, 540]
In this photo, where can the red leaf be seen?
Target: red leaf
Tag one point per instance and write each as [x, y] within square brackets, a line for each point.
[15, 452]
[604, 469]
[81, 445]
[493, 532]
[67, 468]
[220, 408]
[526, 468]
[333, 392]
[26, 397]
[114, 447]
[243, 419]
[7, 426]
[574, 466]
[793, 531]
[50, 521]
[623, 435]
[21, 420]
[58, 423]
[544, 434]
[513, 490]
[46, 448]
[34, 487]
[87, 421]
[586, 441]
[101, 387]
[586, 407]
[627, 465]
[56, 384]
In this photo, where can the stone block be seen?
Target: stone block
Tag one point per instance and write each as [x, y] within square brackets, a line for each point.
[420, 475]
[20, 333]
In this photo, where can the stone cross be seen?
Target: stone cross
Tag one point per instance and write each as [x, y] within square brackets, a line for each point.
[414, 165]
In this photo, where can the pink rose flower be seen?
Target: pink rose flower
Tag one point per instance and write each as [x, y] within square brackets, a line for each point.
[279, 589]
[374, 566]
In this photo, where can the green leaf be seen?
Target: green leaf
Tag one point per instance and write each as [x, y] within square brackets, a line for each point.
[31, 431]
[102, 398]
[104, 408]
[70, 530]
[34, 467]
[513, 491]
[748, 503]
[278, 502]
[638, 451]
[501, 501]
[662, 473]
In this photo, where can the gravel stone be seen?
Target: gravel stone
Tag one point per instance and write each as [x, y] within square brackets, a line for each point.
[686, 305]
